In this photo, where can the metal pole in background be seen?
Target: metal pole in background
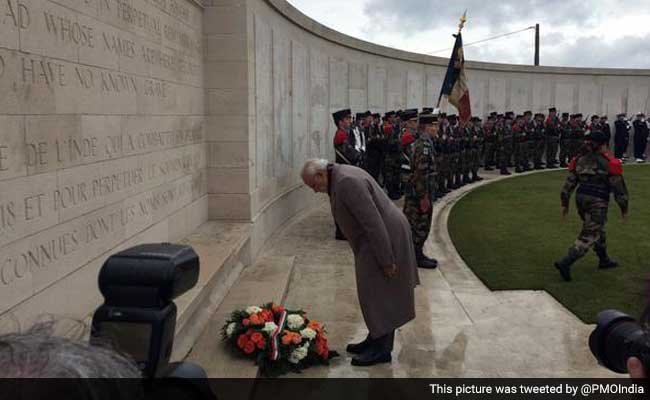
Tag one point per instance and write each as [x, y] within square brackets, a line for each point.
[536, 45]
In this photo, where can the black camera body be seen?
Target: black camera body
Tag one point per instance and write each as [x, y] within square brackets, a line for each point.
[138, 316]
[618, 337]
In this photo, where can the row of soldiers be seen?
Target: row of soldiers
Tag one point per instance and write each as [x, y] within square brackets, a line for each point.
[523, 142]
[423, 156]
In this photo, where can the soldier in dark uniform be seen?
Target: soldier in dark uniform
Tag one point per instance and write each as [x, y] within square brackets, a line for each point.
[640, 137]
[376, 142]
[344, 147]
[476, 144]
[621, 137]
[444, 171]
[606, 129]
[564, 139]
[552, 137]
[520, 144]
[419, 190]
[391, 159]
[596, 174]
[453, 180]
[578, 129]
[529, 147]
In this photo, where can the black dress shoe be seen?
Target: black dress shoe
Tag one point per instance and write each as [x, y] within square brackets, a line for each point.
[340, 237]
[358, 348]
[371, 358]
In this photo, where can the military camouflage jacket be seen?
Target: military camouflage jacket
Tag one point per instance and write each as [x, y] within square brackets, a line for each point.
[424, 167]
[596, 175]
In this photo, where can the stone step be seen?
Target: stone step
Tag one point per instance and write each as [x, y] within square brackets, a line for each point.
[224, 251]
[265, 281]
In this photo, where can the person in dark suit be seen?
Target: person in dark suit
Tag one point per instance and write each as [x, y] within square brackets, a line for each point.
[621, 136]
[640, 137]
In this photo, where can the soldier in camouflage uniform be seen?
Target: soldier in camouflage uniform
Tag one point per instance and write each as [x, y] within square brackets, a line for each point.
[552, 125]
[504, 142]
[529, 148]
[476, 144]
[453, 152]
[444, 170]
[564, 140]
[539, 141]
[489, 143]
[466, 151]
[421, 187]
[578, 129]
[596, 174]
[519, 144]
[392, 157]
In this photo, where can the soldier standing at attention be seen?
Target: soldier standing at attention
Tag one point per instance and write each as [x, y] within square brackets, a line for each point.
[420, 189]
[640, 137]
[552, 138]
[490, 139]
[529, 147]
[344, 148]
[564, 139]
[539, 141]
[375, 148]
[503, 131]
[621, 137]
[391, 160]
[606, 129]
[596, 174]
[520, 143]
[476, 144]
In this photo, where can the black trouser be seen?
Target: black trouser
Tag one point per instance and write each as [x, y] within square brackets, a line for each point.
[620, 145]
[383, 344]
[640, 143]
[374, 162]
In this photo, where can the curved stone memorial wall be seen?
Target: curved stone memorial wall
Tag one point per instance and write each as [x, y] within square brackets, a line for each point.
[102, 141]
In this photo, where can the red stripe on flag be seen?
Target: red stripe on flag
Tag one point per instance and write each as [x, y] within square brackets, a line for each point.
[465, 109]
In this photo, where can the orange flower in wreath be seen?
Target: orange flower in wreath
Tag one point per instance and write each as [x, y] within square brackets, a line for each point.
[242, 340]
[256, 337]
[249, 348]
[291, 337]
[261, 344]
[322, 349]
[267, 315]
[315, 326]
[256, 319]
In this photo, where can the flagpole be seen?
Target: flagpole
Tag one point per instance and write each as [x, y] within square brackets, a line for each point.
[461, 25]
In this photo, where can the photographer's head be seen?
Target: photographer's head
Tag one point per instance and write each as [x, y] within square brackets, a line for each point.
[39, 354]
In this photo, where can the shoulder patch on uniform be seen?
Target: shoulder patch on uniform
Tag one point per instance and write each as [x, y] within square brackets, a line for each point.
[425, 151]
[572, 164]
[615, 166]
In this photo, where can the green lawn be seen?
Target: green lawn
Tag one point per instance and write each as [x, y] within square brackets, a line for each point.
[510, 233]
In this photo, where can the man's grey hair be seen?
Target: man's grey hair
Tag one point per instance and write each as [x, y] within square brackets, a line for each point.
[37, 353]
[313, 166]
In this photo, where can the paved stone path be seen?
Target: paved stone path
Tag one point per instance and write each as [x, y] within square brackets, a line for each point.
[462, 329]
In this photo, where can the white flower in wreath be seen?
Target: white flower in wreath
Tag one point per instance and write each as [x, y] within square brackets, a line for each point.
[230, 329]
[253, 310]
[269, 328]
[295, 321]
[308, 334]
[299, 354]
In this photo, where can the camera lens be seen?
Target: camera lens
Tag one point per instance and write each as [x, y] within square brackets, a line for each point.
[616, 338]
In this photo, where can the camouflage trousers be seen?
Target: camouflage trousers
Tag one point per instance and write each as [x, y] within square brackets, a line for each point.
[564, 152]
[420, 222]
[551, 150]
[593, 212]
[489, 154]
[504, 156]
[539, 146]
[392, 175]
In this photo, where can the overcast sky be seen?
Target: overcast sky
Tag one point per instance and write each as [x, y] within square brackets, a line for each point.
[574, 33]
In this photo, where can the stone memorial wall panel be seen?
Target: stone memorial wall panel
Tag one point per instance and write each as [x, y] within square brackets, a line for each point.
[263, 100]
[339, 84]
[542, 96]
[377, 88]
[590, 99]
[282, 103]
[12, 147]
[638, 100]
[300, 106]
[564, 97]
[497, 98]
[613, 96]
[519, 99]
[414, 89]
[14, 17]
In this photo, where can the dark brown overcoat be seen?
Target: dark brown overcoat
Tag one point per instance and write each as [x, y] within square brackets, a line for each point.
[379, 235]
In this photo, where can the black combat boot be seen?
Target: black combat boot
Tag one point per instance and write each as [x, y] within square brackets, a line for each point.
[504, 171]
[564, 265]
[424, 261]
[604, 262]
[466, 179]
[489, 168]
[358, 348]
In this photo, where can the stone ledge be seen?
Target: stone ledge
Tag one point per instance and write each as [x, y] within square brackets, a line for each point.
[224, 250]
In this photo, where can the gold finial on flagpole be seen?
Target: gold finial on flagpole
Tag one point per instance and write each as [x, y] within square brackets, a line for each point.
[463, 19]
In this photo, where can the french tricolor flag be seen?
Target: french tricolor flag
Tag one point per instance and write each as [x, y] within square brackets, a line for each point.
[455, 88]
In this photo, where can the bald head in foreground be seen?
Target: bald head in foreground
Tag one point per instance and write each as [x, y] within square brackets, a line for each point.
[384, 257]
